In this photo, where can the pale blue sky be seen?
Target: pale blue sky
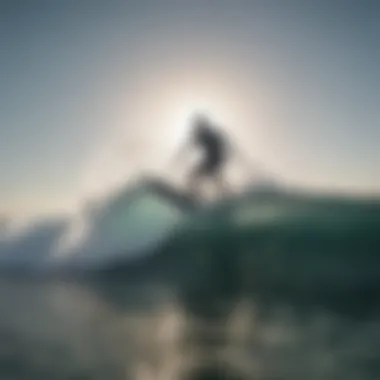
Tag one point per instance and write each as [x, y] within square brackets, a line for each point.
[298, 82]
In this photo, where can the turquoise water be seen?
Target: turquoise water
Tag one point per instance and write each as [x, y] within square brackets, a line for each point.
[283, 287]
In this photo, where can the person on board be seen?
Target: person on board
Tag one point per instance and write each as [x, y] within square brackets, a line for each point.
[214, 147]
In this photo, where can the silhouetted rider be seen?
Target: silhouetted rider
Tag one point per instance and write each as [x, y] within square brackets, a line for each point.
[215, 152]
[214, 149]
[217, 149]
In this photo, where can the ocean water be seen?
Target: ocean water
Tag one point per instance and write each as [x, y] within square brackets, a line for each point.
[278, 288]
[71, 330]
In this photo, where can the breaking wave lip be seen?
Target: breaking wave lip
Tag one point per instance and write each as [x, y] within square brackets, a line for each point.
[129, 221]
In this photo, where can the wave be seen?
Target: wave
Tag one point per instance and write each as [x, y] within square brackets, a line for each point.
[285, 244]
[130, 221]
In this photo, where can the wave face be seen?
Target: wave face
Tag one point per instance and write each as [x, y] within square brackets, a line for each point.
[286, 246]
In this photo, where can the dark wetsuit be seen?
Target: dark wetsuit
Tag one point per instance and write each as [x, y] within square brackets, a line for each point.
[213, 145]
[214, 149]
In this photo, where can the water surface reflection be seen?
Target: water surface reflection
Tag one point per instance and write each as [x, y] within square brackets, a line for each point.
[115, 330]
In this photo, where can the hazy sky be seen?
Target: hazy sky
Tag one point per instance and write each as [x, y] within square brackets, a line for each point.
[93, 90]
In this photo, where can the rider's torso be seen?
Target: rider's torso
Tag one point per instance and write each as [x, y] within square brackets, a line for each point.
[212, 144]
